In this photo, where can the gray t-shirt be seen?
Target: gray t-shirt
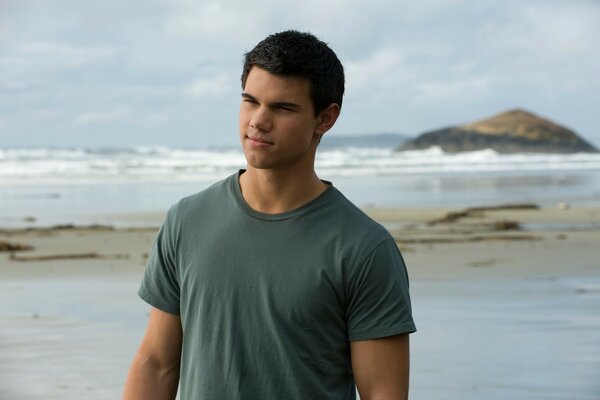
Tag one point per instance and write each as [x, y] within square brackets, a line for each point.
[270, 302]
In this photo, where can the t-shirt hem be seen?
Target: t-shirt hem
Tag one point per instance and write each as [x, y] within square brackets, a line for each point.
[381, 333]
[157, 303]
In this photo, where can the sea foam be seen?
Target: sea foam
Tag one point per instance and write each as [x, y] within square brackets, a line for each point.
[87, 165]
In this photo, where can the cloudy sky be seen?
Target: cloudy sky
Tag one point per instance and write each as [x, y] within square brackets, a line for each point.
[166, 72]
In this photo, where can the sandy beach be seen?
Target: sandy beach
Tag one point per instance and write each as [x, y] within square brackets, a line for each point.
[505, 301]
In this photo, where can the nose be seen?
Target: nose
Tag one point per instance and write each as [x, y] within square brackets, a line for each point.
[261, 119]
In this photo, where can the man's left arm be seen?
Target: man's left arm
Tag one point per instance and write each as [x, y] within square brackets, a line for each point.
[381, 367]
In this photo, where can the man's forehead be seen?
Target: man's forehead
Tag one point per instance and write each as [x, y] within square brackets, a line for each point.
[264, 83]
[262, 74]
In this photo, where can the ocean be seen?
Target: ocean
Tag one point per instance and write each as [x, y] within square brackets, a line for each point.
[42, 186]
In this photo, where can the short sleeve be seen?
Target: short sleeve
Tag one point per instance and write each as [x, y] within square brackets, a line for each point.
[378, 300]
[160, 284]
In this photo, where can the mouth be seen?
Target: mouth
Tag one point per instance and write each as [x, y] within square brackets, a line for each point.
[258, 141]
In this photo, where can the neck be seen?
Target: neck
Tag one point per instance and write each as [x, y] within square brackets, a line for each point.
[275, 192]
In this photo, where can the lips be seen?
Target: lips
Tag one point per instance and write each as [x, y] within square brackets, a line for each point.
[259, 141]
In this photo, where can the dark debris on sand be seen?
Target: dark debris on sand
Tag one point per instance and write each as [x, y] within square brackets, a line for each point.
[7, 246]
[477, 212]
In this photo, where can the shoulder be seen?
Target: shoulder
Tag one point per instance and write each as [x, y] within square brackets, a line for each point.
[352, 217]
[351, 227]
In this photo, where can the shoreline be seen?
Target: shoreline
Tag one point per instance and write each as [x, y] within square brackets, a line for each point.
[480, 243]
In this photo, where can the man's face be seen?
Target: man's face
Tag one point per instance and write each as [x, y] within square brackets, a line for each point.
[278, 128]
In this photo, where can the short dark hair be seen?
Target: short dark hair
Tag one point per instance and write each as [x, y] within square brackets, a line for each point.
[300, 54]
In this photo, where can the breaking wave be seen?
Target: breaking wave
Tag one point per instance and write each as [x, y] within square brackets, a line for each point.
[48, 165]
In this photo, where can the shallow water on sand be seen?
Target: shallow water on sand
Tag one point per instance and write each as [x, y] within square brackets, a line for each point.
[501, 339]
[82, 203]
[70, 339]
[508, 339]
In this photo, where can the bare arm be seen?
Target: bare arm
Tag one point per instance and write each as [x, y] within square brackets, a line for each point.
[154, 372]
[381, 367]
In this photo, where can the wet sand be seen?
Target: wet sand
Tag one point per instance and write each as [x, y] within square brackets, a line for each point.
[505, 303]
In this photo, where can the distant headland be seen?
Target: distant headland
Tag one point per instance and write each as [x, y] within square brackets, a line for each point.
[514, 131]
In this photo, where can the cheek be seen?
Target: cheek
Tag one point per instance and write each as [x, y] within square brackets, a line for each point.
[303, 129]
[242, 118]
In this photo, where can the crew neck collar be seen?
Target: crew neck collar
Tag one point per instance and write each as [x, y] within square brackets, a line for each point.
[303, 209]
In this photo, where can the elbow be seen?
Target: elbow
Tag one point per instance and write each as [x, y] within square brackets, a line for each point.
[160, 368]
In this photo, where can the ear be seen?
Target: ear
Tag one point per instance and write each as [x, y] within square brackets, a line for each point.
[327, 118]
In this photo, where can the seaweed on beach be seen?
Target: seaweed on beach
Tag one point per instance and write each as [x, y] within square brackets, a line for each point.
[7, 246]
[476, 212]
[464, 239]
[74, 256]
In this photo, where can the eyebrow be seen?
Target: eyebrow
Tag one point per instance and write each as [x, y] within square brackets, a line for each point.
[274, 104]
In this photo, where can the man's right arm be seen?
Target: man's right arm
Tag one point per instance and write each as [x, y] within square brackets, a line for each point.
[154, 372]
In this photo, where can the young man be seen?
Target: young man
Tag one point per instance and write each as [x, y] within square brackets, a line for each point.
[271, 284]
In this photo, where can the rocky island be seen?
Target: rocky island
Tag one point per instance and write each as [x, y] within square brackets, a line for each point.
[514, 131]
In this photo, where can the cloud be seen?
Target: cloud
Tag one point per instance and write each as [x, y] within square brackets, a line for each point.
[69, 54]
[543, 44]
[101, 117]
[216, 86]
[363, 73]
[444, 91]
[31, 62]
[544, 29]
[155, 120]
[55, 55]
[213, 19]
[44, 113]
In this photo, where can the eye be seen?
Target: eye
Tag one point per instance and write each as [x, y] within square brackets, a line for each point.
[286, 108]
